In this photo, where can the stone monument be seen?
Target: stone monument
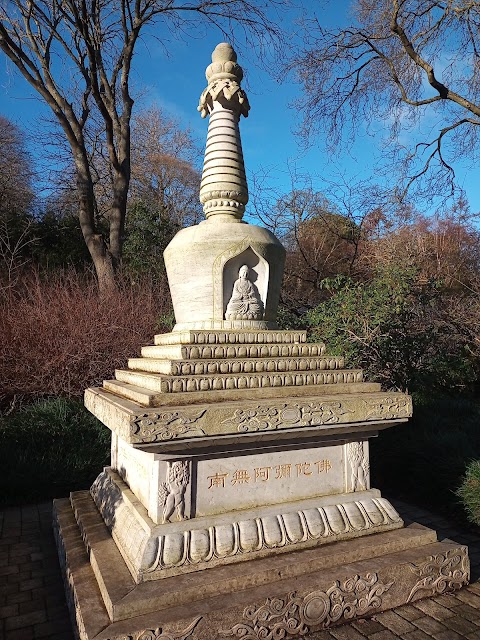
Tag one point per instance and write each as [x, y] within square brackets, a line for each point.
[238, 501]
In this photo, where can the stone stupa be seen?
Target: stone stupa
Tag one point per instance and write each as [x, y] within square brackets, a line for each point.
[238, 500]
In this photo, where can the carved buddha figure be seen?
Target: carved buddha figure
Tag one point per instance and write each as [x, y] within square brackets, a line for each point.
[245, 303]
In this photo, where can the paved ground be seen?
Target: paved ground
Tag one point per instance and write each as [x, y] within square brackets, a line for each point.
[32, 604]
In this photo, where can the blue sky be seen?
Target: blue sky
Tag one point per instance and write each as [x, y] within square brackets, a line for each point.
[175, 82]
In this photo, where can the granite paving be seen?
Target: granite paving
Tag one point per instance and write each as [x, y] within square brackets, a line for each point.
[32, 601]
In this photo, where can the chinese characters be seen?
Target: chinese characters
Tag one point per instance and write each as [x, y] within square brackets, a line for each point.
[267, 474]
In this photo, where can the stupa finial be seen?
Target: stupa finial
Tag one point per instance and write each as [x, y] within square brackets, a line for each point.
[224, 190]
[224, 76]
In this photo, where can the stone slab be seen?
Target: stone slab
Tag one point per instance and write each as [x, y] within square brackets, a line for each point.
[261, 419]
[287, 381]
[217, 482]
[235, 366]
[303, 592]
[149, 398]
[244, 482]
[231, 337]
[233, 351]
[119, 589]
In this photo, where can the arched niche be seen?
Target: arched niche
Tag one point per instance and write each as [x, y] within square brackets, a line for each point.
[258, 275]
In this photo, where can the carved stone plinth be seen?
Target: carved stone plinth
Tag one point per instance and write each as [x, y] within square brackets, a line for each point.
[301, 592]
[154, 552]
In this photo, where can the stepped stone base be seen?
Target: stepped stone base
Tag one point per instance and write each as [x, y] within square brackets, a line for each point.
[299, 592]
[154, 552]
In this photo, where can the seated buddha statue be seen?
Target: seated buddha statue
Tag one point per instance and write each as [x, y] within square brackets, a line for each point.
[245, 303]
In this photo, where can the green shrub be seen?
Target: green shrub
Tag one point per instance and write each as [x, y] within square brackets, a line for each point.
[393, 327]
[289, 321]
[49, 449]
[424, 460]
[469, 492]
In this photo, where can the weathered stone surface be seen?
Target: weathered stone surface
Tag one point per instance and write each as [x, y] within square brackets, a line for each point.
[202, 265]
[234, 366]
[223, 191]
[222, 261]
[210, 484]
[370, 575]
[149, 398]
[242, 505]
[248, 481]
[226, 381]
[227, 351]
[343, 413]
[249, 337]
[159, 551]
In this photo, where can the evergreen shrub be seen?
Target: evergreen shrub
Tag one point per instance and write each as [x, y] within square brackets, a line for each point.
[425, 460]
[469, 492]
[48, 449]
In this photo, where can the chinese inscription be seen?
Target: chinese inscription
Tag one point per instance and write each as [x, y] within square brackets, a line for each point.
[266, 474]
[252, 480]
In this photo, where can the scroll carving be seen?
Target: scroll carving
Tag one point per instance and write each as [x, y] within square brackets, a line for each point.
[391, 407]
[289, 414]
[442, 572]
[160, 634]
[298, 615]
[167, 425]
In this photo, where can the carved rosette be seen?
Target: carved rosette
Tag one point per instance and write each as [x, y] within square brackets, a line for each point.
[224, 184]
[295, 615]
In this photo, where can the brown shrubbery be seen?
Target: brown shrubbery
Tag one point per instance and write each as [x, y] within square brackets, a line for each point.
[59, 336]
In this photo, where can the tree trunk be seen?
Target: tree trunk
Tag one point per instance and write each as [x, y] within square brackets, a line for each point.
[103, 262]
[101, 256]
[117, 217]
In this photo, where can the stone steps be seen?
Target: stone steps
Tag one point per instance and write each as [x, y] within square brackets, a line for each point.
[224, 382]
[237, 336]
[228, 351]
[361, 577]
[137, 394]
[235, 366]
[150, 398]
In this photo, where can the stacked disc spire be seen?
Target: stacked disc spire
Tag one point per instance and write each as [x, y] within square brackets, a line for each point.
[224, 190]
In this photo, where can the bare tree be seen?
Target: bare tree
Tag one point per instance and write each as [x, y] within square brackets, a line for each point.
[165, 174]
[77, 54]
[16, 194]
[16, 198]
[403, 63]
[324, 232]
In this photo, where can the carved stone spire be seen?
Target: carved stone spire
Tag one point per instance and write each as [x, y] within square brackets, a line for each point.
[224, 190]
[224, 274]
